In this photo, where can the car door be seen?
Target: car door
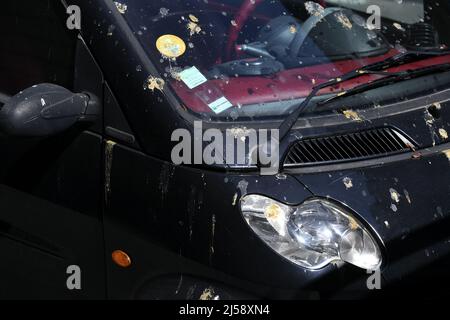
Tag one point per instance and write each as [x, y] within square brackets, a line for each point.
[51, 238]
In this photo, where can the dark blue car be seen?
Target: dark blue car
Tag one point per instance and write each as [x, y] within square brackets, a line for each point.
[224, 149]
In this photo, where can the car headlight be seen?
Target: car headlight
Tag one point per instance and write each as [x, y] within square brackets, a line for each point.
[313, 234]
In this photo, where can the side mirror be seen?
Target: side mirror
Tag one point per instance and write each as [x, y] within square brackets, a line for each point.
[45, 110]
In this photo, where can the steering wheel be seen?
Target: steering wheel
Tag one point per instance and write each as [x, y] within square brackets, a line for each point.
[246, 9]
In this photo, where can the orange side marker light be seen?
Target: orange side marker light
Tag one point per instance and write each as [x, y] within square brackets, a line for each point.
[122, 259]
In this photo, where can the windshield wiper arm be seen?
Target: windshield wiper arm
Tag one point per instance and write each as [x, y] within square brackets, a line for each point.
[390, 78]
[373, 68]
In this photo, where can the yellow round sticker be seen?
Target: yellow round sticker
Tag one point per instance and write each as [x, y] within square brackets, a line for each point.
[171, 46]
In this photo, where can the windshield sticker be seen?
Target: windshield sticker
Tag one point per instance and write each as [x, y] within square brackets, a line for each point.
[192, 77]
[220, 105]
[171, 46]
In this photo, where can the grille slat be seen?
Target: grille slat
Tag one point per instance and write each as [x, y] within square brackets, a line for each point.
[376, 141]
[294, 157]
[339, 146]
[395, 138]
[331, 153]
[323, 154]
[313, 151]
[330, 146]
[370, 143]
[352, 146]
[291, 159]
[392, 146]
[357, 146]
[360, 146]
[304, 151]
[367, 145]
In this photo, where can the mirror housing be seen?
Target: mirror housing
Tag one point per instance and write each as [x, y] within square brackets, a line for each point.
[46, 110]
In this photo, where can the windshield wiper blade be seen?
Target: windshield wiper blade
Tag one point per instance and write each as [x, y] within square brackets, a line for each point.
[402, 58]
[388, 79]
[373, 68]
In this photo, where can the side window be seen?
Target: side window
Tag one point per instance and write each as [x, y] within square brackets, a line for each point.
[35, 45]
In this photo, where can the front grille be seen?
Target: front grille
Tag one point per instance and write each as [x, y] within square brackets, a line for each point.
[349, 147]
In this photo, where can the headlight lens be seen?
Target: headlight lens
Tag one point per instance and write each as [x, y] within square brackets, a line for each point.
[313, 234]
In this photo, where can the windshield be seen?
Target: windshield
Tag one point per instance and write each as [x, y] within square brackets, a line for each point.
[233, 60]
